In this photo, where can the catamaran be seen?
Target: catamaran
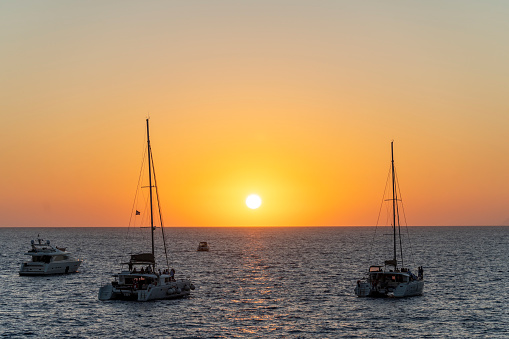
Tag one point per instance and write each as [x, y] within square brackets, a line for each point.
[142, 280]
[391, 280]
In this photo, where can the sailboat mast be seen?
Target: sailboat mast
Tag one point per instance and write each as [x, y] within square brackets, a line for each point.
[393, 199]
[149, 152]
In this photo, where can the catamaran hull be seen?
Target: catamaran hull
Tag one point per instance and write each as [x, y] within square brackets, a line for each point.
[37, 268]
[173, 290]
[410, 289]
[403, 290]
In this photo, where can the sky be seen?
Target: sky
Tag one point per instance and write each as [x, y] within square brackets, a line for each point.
[296, 101]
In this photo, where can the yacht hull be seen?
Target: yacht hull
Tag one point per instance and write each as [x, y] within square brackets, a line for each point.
[39, 268]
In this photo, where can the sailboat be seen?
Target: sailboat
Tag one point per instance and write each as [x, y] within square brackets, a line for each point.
[391, 280]
[142, 281]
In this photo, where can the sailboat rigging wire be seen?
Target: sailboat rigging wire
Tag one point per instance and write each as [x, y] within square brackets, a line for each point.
[388, 213]
[379, 212]
[144, 220]
[160, 214]
[135, 195]
[146, 202]
[397, 214]
[412, 258]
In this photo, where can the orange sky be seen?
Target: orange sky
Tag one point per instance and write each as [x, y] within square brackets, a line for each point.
[296, 101]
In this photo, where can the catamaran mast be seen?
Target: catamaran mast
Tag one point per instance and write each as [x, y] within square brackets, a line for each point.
[149, 152]
[393, 201]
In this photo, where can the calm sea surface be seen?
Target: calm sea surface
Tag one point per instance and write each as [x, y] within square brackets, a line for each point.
[263, 282]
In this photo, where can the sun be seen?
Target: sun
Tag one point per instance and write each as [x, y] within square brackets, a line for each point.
[253, 201]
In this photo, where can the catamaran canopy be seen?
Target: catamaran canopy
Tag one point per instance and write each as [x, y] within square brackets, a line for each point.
[142, 258]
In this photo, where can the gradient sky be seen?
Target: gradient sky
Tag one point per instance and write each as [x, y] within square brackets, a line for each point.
[296, 101]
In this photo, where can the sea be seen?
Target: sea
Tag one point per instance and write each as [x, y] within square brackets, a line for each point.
[262, 282]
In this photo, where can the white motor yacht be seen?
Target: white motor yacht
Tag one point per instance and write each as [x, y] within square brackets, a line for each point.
[47, 260]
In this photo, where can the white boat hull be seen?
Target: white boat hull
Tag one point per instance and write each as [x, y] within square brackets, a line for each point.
[410, 289]
[40, 268]
[402, 290]
[171, 290]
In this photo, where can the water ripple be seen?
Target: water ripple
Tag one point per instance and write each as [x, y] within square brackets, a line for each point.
[263, 282]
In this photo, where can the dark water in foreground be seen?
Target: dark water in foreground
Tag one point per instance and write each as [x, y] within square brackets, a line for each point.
[263, 282]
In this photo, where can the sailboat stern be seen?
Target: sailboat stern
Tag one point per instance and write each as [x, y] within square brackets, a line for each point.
[172, 290]
[106, 292]
[362, 289]
[408, 289]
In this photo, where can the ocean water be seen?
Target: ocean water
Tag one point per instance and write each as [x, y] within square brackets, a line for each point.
[262, 282]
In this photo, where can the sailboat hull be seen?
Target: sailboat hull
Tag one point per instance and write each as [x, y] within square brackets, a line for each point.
[410, 289]
[172, 290]
[402, 290]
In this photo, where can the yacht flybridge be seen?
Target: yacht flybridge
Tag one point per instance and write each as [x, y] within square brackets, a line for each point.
[47, 260]
[389, 279]
[141, 279]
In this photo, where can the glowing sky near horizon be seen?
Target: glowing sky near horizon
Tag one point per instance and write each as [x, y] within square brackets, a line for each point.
[295, 100]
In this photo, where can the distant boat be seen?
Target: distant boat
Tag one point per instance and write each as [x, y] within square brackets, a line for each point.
[48, 260]
[141, 281]
[203, 246]
[390, 280]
